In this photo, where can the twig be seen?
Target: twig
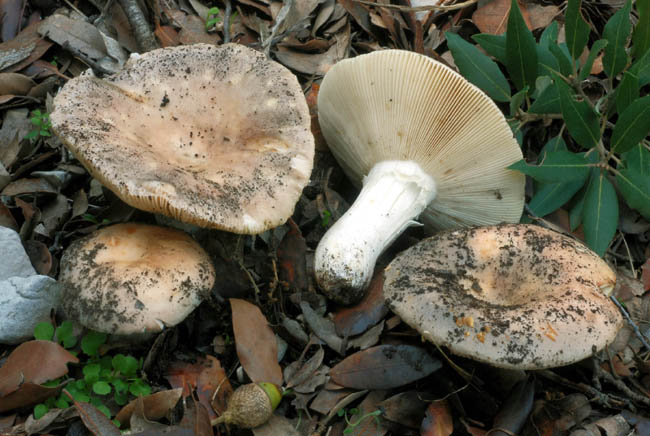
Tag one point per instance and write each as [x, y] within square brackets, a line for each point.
[252, 280]
[226, 21]
[420, 8]
[631, 323]
[597, 396]
[143, 36]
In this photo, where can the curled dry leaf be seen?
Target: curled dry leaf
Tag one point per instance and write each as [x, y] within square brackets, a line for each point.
[493, 17]
[351, 321]
[437, 420]
[94, 420]
[257, 347]
[292, 254]
[155, 406]
[384, 367]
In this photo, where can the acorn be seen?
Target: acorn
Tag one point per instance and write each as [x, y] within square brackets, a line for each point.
[251, 405]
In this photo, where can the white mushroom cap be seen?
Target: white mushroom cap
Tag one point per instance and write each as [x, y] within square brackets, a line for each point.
[134, 278]
[400, 105]
[214, 136]
[408, 110]
[514, 296]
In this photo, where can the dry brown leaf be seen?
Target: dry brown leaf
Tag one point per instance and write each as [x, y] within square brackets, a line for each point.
[276, 426]
[39, 255]
[368, 426]
[257, 347]
[437, 420]
[351, 321]
[541, 16]
[94, 420]
[15, 84]
[28, 186]
[292, 264]
[155, 406]
[493, 17]
[24, 49]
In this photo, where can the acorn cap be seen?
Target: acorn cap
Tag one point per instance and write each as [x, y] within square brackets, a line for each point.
[399, 105]
[513, 296]
[213, 136]
[134, 278]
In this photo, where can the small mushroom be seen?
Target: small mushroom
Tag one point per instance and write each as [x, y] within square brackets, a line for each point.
[425, 142]
[514, 296]
[131, 279]
[218, 137]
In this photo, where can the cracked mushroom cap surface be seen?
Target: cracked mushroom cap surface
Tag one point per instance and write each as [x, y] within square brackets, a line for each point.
[513, 296]
[133, 278]
[399, 105]
[213, 136]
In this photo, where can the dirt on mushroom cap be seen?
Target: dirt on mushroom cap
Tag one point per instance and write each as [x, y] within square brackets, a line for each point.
[515, 296]
[214, 136]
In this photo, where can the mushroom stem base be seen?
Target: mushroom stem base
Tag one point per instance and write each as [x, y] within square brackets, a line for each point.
[394, 193]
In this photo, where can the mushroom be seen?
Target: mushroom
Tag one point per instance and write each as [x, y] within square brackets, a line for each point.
[131, 279]
[514, 295]
[431, 143]
[213, 136]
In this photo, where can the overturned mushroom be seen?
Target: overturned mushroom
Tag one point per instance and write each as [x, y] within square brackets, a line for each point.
[214, 136]
[134, 278]
[425, 142]
[514, 296]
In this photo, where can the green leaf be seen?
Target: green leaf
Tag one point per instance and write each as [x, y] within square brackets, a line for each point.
[121, 398]
[641, 68]
[40, 410]
[616, 32]
[558, 166]
[127, 365]
[600, 214]
[635, 189]
[61, 403]
[641, 36]
[101, 388]
[549, 35]
[563, 58]
[517, 100]
[551, 196]
[494, 45]
[478, 68]
[91, 342]
[515, 126]
[44, 331]
[627, 91]
[521, 51]
[593, 54]
[632, 125]
[576, 29]
[580, 118]
[139, 388]
[91, 372]
[65, 334]
[638, 159]
[575, 214]
[547, 63]
[548, 102]
[119, 385]
[554, 144]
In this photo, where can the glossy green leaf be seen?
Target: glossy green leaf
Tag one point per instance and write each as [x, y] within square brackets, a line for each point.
[576, 29]
[575, 214]
[547, 63]
[593, 54]
[91, 342]
[580, 118]
[635, 188]
[627, 91]
[563, 58]
[478, 68]
[521, 52]
[549, 35]
[517, 100]
[600, 214]
[515, 126]
[616, 32]
[44, 331]
[638, 159]
[558, 166]
[551, 196]
[548, 102]
[101, 388]
[641, 68]
[554, 144]
[494, 45]
[641, 35]
[632, 125]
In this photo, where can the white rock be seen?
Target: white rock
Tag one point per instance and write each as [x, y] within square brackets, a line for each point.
[24, 302]
[14, 262]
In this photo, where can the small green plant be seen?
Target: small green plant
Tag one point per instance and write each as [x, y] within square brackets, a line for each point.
[327, 216]
[598, 152]
[213, 18]
[41, 123]
[101, 375]
[348, 414]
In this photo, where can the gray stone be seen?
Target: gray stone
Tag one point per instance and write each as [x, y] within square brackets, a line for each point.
[14, 262]
[24, 302]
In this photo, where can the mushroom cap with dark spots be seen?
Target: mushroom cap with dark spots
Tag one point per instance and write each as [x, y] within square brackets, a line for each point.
[218, 137]
[134, 278]
[514, 296]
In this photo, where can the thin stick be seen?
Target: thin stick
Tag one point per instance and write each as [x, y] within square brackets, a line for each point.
[631, 323]
[420, 8]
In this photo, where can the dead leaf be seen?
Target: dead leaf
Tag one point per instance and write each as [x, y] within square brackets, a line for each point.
[437, 420]
[352, 321]
[276, 426]
[645, 275]
[94, 420]
[207, 377]
[515, 410]
[370, 425]
[384, 367]
[257, 347]
[192, 28]
[28, 394]
[368, 339]
[197, 419]
[34, 362]
[306, 370]
[39, 255]
[323, 328]
[155, 406]
[167, 36]
[292, 254]
[327, 399]
[15, 84]
[541, 16]
[406, 408]
[28, 186]
[493, 17]
[24, 49]
[7, 219]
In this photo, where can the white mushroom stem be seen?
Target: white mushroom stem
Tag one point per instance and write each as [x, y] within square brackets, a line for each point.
[394, 193]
